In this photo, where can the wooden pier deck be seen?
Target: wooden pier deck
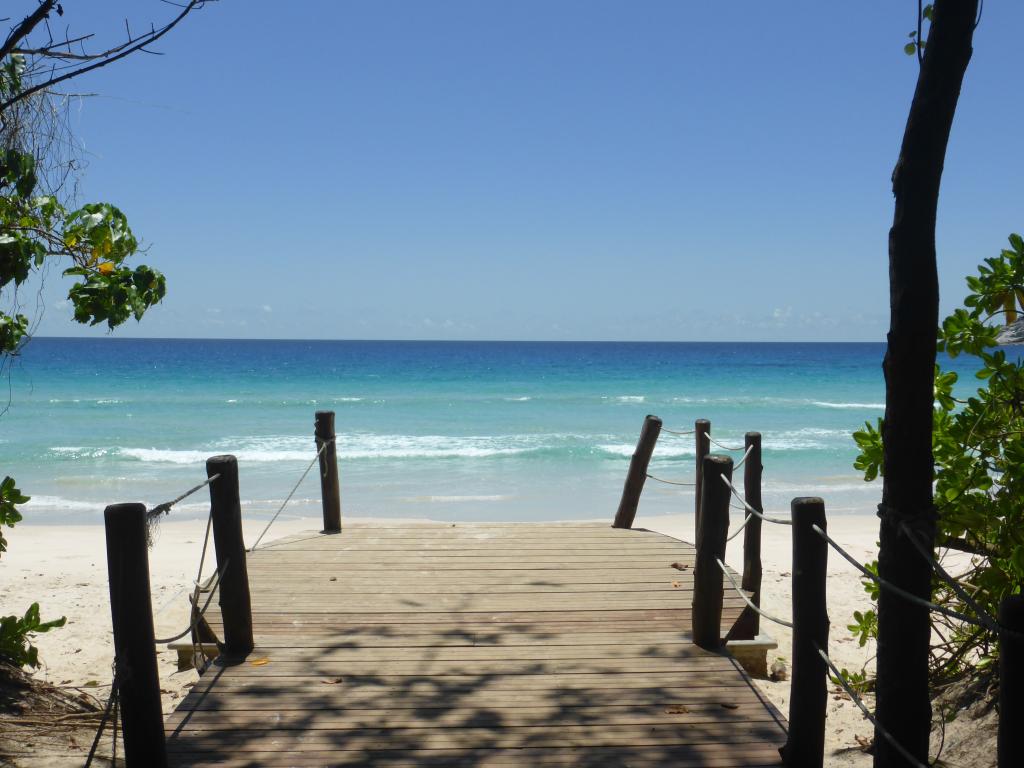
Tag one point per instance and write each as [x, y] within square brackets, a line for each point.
[476, 645]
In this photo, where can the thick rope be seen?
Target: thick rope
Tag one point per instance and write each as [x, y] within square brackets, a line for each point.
[316, 458]
[723, 447]
[668, 482]
[746, 455]
[163, 509]
[867, 713]
[740, 529]
[678, 431]
[750, 509]
[892, 587]
[193, 623]
[747, 600]
[986, 619]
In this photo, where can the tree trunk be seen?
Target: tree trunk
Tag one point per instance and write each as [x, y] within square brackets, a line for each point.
[903, 705]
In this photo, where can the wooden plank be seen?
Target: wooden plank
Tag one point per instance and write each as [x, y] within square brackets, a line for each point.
[475, 645]
[684, 756]
[493, 736]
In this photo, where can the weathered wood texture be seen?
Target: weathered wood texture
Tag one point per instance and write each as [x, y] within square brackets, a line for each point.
[476, 645]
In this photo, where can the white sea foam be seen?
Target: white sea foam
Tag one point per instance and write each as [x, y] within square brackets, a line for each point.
[42, 502]
[456, 499]
[517, 399]
[625, 450]
[630, 398]
[855, 406]
[348, 399]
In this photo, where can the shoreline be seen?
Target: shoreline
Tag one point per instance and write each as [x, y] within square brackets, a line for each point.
[64, 569]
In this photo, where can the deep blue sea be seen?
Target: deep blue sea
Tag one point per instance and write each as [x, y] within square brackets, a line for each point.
[440, 430]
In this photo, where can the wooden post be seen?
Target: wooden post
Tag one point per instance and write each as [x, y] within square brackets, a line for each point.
[330, 488]
[637, 472]
[1010, 744]
[701, 432]
[131, 611]
[235, 604]
[706, 614]
[749, 624]
[805, 746]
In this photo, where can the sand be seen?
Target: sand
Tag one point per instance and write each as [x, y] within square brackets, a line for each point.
[64, 568]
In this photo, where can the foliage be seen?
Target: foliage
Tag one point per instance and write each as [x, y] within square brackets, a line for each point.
[917, 41]
[16, 635]
[978, 446]
[93, 243]
[95, 238]
[9, 514]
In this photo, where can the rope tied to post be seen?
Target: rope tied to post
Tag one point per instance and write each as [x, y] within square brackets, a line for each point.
[291, 493]
[154, 513]
[746, 455]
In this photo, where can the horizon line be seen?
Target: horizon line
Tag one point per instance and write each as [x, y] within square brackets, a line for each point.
[452, 341]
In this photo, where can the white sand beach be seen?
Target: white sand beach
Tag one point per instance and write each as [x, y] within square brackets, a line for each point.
[64, 567]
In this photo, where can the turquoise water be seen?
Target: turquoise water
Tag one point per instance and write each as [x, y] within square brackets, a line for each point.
[442, 430]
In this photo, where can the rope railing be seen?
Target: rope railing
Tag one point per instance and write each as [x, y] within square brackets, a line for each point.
[747, 600]
[838, 677]
[723, 447]
[752, 510]
[668, 482]
[746, 455]
[985, 618]
[739, 530]
[680, 432]
[323, 447]
[883, 584]
[196, 615]
[163, 509]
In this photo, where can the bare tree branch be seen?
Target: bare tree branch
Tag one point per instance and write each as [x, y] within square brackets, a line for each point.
[25, 27]
[98, 60]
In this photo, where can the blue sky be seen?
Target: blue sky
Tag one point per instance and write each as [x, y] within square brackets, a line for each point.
[535, 170]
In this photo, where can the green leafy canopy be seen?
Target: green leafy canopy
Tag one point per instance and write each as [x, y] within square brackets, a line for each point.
[978, 448]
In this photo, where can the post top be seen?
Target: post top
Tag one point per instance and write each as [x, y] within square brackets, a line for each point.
[224, 458]
[124, 510]
[720, 459]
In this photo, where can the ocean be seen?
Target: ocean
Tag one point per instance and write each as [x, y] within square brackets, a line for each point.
[526, 431]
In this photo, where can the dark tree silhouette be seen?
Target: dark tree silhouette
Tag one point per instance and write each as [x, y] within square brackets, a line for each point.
[903, 704]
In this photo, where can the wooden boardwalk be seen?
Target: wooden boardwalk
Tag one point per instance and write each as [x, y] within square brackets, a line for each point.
[476, 645]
